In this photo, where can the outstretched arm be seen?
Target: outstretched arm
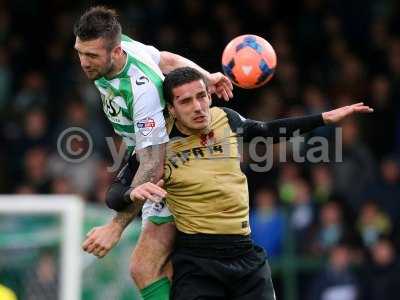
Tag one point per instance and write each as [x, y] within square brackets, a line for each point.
[339, 114]
[218, 82]
[285, 128]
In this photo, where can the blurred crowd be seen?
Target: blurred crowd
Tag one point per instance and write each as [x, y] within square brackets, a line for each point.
[330, 54]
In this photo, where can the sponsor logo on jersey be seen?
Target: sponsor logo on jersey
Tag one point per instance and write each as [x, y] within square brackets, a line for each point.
[109, 106]
[158, 206]
[142, 80]
[175, 159]
[146, 126]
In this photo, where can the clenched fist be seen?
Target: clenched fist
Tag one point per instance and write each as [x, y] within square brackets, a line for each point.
[100, 240]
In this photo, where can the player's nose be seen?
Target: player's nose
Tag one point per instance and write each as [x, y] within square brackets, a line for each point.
[196, 105]
[84, 63]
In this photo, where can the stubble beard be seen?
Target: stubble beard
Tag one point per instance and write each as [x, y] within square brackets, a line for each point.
[106, 71]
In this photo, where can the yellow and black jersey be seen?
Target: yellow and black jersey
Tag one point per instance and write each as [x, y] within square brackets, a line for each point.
[207, 191]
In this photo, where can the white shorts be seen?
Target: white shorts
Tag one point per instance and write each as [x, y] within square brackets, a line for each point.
[156, 212]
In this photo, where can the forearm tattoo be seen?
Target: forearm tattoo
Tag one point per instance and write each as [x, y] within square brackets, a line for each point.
[151, 167]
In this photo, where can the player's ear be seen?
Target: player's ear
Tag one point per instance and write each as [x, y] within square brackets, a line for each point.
[117, 50]
[171, 109]
[209, 98]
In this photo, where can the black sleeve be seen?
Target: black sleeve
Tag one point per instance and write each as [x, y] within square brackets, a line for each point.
[117, 197]
[281, 128]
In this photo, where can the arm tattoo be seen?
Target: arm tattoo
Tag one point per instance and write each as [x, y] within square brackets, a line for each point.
[151, 168]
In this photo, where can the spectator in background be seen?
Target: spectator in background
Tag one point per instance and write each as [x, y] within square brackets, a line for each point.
[61, 185]
[102, 183]
[379, 43]
[230, 26]
[317, 101]
[267, 222]
[288, 76]
[35, 129]
[289, 174]
[337, 50]
[5, 24]
[393, 59]
[302, 213]
[383, 280]
[337, 281]
[381, 100]
[34, 133]
[330, 230]
[25, 189]
[80, 175]
[41, 282]
[372, 223]
[314, 99]
[269, 106]
[393, 62]
[356, 172]
[35, 169]
[76, 114]
[322, 182]
[33, 92]
[5, 78]
[351, 77]
[387, 190]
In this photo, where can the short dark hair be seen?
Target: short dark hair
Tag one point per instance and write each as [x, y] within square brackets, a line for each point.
[180, 77]
[99, 22]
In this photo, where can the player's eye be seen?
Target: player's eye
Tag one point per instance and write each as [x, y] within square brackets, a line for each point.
[202, 95]
[185, 101]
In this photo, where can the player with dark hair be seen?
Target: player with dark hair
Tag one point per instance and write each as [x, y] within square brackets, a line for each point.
[207, 192]
[129, 76]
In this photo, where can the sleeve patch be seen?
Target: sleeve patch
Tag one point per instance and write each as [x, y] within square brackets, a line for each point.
[146, 126]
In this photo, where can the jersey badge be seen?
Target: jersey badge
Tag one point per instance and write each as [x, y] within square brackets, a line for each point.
[207, 139]
[146, 126]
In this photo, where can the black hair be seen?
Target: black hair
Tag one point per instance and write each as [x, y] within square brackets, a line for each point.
[180, 77]
[99, 22]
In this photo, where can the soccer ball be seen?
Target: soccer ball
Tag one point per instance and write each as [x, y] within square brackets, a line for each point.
[249, 61]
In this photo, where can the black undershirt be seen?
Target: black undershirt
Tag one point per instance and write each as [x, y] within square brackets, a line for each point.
[277, 129]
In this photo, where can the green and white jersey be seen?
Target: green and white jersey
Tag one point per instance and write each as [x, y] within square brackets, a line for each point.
[133, 99]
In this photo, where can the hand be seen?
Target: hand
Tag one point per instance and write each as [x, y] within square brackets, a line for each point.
[149, 191]
[220, 85]
[100, 240]
[337, 115]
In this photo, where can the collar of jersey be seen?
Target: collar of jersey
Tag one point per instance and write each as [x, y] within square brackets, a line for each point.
[175, 132]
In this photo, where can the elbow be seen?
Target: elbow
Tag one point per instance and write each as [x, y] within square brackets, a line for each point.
[115, 197]
[168, 61]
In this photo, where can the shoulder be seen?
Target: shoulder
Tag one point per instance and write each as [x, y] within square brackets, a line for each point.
[235, 119]
[232, 114]
[140, 50]
[125, 38]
